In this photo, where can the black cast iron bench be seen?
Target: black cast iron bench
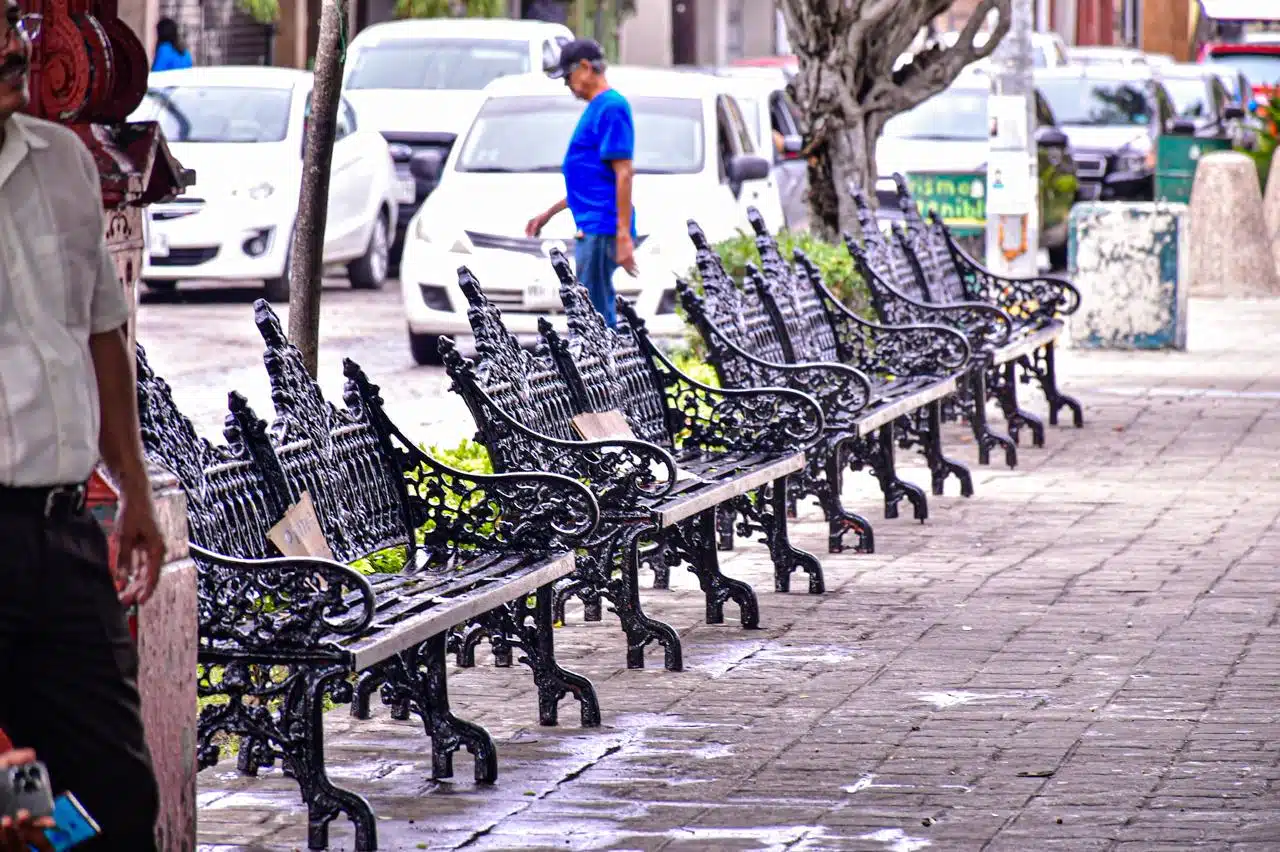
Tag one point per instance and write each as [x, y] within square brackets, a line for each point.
[897, 299]
[1037, 304]
[882, 383]
[278, 635]
[525, 408]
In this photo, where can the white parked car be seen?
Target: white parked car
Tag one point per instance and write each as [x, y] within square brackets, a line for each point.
[241, 130]
[419, 82]
[694, 159]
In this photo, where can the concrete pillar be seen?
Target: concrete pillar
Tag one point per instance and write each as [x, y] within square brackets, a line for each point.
[291, 34]
[1129, 262]
[1271, 210]
[1231, 253]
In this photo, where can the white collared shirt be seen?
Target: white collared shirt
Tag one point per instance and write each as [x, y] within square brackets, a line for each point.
[58, 285]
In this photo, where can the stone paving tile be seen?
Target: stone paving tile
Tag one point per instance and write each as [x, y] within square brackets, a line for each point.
[1084, 656]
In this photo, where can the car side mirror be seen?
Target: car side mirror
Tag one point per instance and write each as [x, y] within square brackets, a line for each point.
[745, 167]
[426, 166]
[1051, 137]
[1182, 127]
[1233, 112]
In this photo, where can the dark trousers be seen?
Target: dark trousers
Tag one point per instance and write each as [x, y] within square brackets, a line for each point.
[68, 674]
[594, 256]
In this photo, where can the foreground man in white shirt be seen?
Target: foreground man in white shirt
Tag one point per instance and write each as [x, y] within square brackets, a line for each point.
[68, 667]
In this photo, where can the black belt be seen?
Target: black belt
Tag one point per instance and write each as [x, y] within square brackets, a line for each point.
[57, 501]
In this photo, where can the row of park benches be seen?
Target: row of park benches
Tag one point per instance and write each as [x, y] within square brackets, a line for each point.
[608, 460]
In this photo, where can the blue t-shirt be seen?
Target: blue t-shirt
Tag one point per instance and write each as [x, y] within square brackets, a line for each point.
[604, 133]
[169, 58]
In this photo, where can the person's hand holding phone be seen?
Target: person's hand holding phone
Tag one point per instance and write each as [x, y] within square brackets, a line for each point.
[21, 832]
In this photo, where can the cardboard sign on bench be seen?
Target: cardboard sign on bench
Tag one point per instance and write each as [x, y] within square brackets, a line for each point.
[299, 533]
[612, 426]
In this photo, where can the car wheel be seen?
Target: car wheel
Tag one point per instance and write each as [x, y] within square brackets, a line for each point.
[425, 349]
[1058, 258]
[277, 289]
[370, 271]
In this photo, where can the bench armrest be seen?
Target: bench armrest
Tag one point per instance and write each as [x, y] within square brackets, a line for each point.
[283, 606]
[495, 512]
[840, 390]
[757, 420]
[1040, 298]
[900, 351]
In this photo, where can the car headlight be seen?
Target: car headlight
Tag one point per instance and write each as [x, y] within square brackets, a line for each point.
[256, 192]
[449, 239]
[1135, 161]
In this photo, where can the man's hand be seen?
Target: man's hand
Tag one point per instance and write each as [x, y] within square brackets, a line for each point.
[625, 254]
[535, 226]
[141, 547]
[17, 835]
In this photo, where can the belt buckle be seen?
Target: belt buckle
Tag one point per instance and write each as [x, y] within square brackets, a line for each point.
[75, 497]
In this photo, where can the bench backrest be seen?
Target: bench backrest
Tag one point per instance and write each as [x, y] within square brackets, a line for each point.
[796, 310]
[606, 369]
[726, 311]
[927, 245]
[232, 500]
[886, 255]
[506, 379]
[333, 453]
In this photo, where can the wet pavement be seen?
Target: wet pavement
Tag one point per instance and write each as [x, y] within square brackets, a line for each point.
[1084, 656]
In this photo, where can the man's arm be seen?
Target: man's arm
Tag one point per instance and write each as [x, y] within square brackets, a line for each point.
[537, 223]
[141, 549]
[624, 172]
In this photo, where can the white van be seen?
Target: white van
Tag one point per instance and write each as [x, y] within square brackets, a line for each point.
[419, 82]
[695, 158]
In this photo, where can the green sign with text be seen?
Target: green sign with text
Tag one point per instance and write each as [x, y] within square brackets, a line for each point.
[960, 199]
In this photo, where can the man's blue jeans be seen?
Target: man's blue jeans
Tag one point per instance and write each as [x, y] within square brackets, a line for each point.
[595, 256]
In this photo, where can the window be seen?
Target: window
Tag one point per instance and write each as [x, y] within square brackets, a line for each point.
[219, 113]
[1190, 97]
[950, 114]
[531, 134]
[346, 120]
[447, 64]
[1098, 103]
[1220, 97]
[1164, 104]
[1044, 115]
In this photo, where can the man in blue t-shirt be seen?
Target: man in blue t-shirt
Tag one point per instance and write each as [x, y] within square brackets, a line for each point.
[597, 177]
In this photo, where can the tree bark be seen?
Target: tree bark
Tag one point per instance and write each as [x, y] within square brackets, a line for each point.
[306, 266]
[847, 87]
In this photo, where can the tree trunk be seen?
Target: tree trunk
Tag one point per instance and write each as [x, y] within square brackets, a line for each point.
[307, 252]
[847, 157]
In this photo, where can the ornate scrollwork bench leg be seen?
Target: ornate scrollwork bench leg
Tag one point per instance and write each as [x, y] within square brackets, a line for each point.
[922, 428]
[281, 715]
[876, 451]
[765, 511]
[694, 542]
[417, 677]
[1041, 366]
[823, 478]
[1003, 380]
[528, 625]
[973, 405]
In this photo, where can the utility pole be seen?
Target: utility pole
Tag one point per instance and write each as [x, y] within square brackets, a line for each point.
[1013, 197]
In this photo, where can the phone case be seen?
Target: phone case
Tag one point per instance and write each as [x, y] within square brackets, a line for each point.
[26, 788]
[73, 824]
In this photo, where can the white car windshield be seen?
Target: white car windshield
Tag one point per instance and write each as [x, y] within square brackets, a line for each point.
[448, 64]
[219, 113]
[1100, 103]
[531, 134]
[1190, 97]
[1261, 67]
[950, 114]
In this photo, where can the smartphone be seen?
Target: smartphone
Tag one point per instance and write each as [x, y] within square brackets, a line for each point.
[73, 825]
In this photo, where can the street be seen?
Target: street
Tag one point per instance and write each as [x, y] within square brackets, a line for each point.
[202, 340]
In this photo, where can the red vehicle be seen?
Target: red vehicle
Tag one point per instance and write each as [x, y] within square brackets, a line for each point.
[1244, 35]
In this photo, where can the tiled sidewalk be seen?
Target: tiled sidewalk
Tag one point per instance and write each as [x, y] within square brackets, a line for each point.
[1083, 656]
